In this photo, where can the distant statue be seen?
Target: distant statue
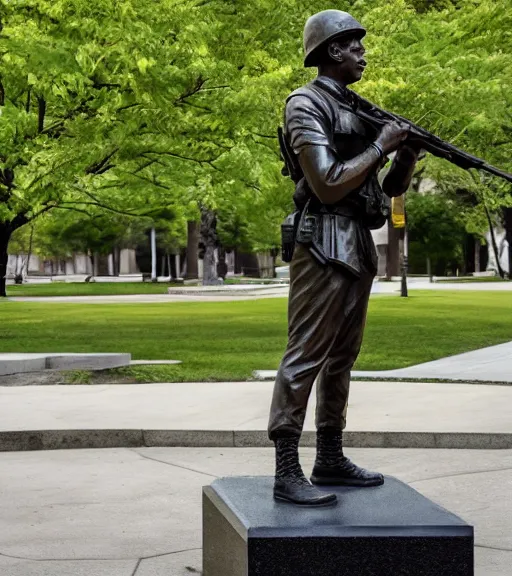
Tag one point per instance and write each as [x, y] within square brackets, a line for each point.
[334, 159]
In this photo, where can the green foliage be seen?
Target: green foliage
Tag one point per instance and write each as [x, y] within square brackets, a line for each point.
[141, 106]
[435, 228]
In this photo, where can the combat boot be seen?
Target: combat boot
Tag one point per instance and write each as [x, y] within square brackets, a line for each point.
[333, 468]
[290, 483]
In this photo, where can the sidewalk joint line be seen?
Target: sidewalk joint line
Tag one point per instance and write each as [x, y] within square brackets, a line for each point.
[460, 474]
[27, 559]
[169, 553]
[171, 464]
[493, 548]
[136, 567]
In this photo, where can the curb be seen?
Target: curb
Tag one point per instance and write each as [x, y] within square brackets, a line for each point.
[27, 440]
[270, 376]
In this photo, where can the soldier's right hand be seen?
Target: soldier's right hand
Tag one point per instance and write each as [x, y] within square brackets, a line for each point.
[392, 135]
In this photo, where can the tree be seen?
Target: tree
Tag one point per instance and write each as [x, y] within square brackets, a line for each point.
[98, 107]
[135, 106]
[436, 231]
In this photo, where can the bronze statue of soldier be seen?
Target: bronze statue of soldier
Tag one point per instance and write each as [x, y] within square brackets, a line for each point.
[335, 158]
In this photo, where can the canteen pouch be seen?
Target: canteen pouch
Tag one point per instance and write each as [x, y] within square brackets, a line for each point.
[288, 235]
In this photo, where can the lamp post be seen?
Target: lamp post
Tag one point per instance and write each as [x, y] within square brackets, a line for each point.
[404, 293]
[399, 220]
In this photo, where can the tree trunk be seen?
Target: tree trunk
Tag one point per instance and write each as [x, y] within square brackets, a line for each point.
[209, 240]
[173, 269]
[153, 255]
[5, 236]
[238, 262]
[494, 243]
[192, 249]
[429, 269]
[477, 255]
[116, 260]
[30, 246]
[507, 213]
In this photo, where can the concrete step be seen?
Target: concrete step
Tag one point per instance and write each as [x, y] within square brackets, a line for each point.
[22, 363]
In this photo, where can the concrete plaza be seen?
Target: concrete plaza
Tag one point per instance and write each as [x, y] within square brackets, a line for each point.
[381, 414]
[137, 512]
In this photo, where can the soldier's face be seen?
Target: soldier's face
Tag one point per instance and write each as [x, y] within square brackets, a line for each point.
[350, 58]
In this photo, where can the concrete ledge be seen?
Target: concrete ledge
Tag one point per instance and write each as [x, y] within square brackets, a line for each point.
[72, 439]
[189, 438]
[26, 363]
[87, 361]
[69, 439]
[17, 363]
[155, 362]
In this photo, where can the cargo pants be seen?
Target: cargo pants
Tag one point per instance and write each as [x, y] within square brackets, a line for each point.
[326, 318]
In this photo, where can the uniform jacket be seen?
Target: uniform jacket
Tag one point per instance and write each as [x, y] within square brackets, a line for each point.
[314, 117]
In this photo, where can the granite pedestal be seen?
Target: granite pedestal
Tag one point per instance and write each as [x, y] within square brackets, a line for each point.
[391, 530]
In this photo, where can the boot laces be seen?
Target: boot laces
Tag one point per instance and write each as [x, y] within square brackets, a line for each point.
[329, 450]
[288, 466]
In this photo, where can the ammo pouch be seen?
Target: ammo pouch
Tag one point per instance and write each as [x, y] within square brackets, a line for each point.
[308, 233]
[288, 235]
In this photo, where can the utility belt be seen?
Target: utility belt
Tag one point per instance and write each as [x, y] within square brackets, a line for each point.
[301, 226]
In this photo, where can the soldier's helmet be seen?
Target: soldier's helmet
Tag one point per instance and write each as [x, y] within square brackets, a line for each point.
[325, 26]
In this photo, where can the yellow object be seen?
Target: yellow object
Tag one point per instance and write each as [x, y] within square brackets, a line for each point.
[398, 211]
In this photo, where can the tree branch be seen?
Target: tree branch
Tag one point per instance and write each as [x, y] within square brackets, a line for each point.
[128, 106]
[154, 182]
[19, 220]
[264, 135]
[2, 93]
[197, 87]
[37, 214]
[179, 156]
[205, 108]
[102, 166]
[74, 209]
[41, 111]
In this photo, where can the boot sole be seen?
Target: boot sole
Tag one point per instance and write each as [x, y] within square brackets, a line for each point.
[305, 504]
[345, 482]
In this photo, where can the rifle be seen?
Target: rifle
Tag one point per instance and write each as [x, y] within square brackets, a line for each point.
[377, 118]
[291, 166]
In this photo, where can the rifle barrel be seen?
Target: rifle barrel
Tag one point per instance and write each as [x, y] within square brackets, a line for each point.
[433, 144]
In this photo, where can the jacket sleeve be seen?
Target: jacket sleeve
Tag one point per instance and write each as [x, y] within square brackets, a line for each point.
[399, 177]
[310, 131]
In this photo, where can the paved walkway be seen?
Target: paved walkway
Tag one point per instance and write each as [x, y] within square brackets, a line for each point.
[381, 414]
[251, 292]
[493, 364]
[137, 512]
[487, 364]
[273, 292]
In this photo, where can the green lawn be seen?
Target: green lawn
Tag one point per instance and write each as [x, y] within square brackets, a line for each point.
[88, 288]
[227, 340]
